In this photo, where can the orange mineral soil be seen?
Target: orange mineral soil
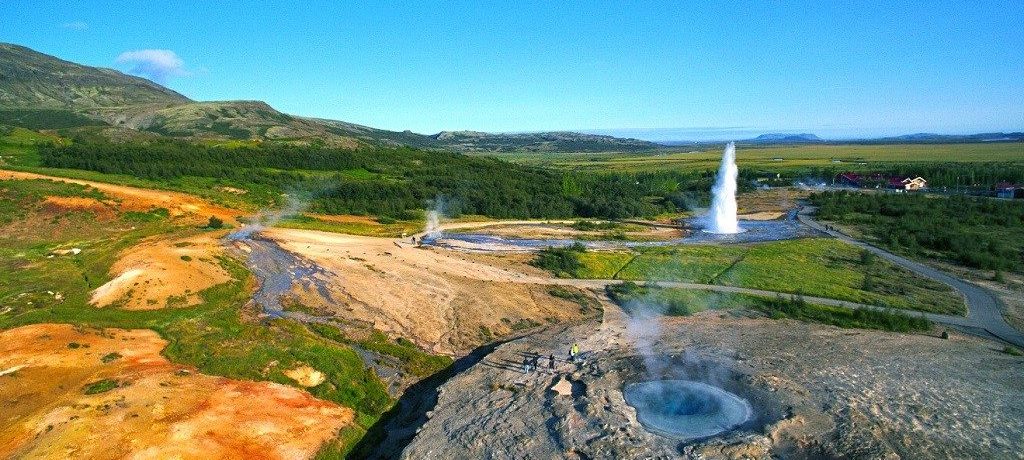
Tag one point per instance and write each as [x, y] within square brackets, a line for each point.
[155, 410]
[163, 272]
[126, 198]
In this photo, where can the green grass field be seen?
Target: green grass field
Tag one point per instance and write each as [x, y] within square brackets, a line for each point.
[815, 267]
[780, 157]
[645, 300]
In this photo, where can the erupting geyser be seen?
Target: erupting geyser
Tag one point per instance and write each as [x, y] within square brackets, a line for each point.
[685, 409]
[722, 218]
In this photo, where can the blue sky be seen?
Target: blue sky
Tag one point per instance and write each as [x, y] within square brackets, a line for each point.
[712, 71]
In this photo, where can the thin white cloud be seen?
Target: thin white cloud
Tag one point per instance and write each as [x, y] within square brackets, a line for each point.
[156, 65]
[76, 25]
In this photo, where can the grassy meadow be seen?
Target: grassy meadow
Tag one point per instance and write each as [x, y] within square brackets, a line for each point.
[851, 156]
[817, 267]
[645, 300]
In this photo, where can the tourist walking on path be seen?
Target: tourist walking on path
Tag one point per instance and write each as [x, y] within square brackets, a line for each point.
[574, 352]
[526, 364]
[551, 363]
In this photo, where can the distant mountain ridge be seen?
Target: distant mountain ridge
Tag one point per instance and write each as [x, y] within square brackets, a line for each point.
[980, 137]
[44, 92]
[779, 138]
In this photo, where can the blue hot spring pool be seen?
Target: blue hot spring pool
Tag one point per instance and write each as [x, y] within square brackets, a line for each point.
[685, 409]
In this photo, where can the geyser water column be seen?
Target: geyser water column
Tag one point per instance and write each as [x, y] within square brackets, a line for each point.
[722, 218]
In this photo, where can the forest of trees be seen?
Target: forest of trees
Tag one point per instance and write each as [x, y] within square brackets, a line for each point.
[390, 182]
[977, 232]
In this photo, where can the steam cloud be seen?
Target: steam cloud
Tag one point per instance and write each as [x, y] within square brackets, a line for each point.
[156, 65]
[268, 217]
[434, 216]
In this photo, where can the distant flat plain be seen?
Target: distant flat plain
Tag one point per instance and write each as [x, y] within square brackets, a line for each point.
[857, 156]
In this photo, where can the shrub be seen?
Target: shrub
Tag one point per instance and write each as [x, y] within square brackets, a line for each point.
[563, 262]
[100, 386]
[215, 223]
[866, 318]
[867, 257]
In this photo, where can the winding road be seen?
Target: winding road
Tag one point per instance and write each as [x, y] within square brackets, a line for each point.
[984, 310]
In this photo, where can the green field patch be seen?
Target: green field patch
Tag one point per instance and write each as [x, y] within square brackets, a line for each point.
[646, 300]
[862, 318]
[691, 264]
[414, 361]
[602, 264]
[818, 267]
[833, 269]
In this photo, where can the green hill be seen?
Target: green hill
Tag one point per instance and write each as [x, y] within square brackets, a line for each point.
[33, 80]
[39, 91]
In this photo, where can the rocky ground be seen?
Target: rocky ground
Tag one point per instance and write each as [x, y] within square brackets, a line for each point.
[817, 391]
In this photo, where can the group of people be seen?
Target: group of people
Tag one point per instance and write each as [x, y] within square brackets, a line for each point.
[532, 363]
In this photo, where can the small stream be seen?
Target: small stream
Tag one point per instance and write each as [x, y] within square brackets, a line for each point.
[279, 272]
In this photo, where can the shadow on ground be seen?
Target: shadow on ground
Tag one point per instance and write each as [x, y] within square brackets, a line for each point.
[388, 437]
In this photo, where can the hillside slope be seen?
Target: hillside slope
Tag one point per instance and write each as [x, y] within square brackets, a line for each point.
[30, 79]
[39, 91]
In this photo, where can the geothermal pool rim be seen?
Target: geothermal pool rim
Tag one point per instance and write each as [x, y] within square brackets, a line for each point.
[686, 410]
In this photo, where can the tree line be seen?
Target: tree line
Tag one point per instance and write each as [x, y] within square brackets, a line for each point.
[977, 232]
[393, 181]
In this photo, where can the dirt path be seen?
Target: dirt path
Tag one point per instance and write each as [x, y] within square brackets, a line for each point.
[985, 312]
[134, 198]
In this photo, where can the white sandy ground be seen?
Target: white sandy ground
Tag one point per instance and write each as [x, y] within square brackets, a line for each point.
[443, 300]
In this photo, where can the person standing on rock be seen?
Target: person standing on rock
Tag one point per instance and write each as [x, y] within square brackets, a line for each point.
[526, 364]
[574, 352]
[535, 363]
[551, 363]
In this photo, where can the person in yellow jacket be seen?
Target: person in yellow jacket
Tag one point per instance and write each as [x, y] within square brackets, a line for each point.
[574, 352]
